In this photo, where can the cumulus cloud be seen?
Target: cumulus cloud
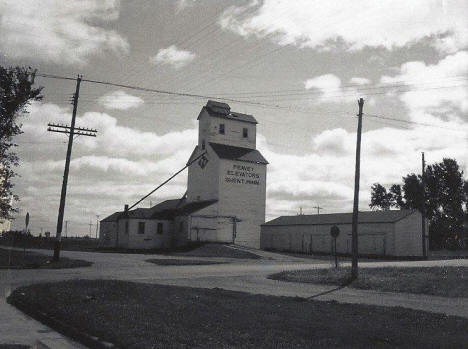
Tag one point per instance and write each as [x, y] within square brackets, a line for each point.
[319, 24]
[326, 175]
[113, 138]
[330, 89]
[173, 56]
[434, 88]
[57, 31]
[120, 100]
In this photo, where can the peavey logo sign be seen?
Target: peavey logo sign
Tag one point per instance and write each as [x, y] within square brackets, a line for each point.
[203, 161]
[241, 174]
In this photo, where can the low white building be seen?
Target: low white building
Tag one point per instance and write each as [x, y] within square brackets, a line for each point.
[162, 226]
[384, 233]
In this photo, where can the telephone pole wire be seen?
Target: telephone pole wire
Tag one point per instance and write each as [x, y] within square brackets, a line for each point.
[354, 232]
[423, 207]
[71, 131]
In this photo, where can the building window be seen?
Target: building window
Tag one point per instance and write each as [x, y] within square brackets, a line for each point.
[126, 227]
[203, 144]
[245, 132]
[181, 227]
[160, 228]
[141, 227]
[221, 129]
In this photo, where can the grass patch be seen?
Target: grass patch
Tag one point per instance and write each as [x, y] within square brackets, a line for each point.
[16, 259]
[218, 250]
[135, 315]
[172, 261]
[191, 250]
[437, 281]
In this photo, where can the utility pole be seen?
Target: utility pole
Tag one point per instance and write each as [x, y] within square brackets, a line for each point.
[423, 207]
[354, 232]
[90, 225]
[318, 208]
[71, 131]
[97, 224]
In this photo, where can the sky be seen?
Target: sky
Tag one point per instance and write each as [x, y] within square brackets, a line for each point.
[299, 67]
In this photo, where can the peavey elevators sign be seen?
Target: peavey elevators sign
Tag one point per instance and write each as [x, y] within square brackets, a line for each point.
[242, 174]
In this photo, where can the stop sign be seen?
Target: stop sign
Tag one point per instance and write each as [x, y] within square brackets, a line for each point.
[334, 231]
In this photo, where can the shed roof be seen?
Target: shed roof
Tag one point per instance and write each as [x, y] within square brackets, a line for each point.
[223, 110]
[341, 218]
[166, 210]
[112, 218]
[238, 153]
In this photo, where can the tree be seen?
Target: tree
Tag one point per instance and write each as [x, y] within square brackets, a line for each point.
[16, 92]
[380, 198]
[446, 198]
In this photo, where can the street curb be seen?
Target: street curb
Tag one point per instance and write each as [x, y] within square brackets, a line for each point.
[61, 327]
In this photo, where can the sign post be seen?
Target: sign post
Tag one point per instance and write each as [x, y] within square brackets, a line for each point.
[335, 232]
[26, 223]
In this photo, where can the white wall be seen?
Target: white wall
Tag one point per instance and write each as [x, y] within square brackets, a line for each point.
[202, 183]
[373, 238]
[150, 239]
[242, 193]
[209, 131]
[408, 236]
[107, 234]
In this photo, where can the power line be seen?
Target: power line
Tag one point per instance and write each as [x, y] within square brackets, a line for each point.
[173, 93]
[412, 122]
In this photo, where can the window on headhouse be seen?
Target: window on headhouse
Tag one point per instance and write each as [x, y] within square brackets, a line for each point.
[160, 228]
[245, 132]
[141, 227]
[126, 227]
[221, 129]
[203, 144]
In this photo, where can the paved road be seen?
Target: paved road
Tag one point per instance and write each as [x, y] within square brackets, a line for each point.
[239, 275]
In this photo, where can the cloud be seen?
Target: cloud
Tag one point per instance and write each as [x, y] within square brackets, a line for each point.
[113, 138]
[356, 24]
[57, 31]
[173, 56]
[434, 88]
[120, 100]
[325, 176]
[359, 81]
[330, 89]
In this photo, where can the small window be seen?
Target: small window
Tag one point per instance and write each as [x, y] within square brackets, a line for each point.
[126, 227]
[141, 227]
[245, 132]
[160, 228]
[203, 144]
[181, 227]
[221, 129]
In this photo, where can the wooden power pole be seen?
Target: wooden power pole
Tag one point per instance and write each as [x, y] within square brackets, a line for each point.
[71, 131]
[423, 207]
[354, 231]
[318, 209]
